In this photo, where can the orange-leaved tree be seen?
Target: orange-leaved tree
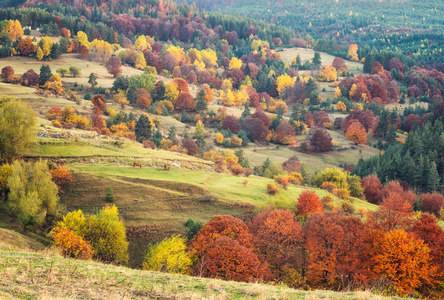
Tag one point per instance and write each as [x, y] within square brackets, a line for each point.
[356, 133]
[427, 229]
[278, 238]
[404, 259]
[333, 243]
[228, 259]
[223, 225]
[308, 203]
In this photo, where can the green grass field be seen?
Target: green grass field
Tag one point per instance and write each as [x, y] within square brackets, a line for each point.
[47, 276]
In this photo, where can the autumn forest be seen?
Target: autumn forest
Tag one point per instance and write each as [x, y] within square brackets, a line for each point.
[299, 146]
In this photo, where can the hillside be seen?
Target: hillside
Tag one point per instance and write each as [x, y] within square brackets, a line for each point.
[36, 276]
[301, 145]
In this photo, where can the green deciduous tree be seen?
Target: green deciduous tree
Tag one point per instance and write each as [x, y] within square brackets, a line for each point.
[17, 128]
[32, 194]
[74, 71]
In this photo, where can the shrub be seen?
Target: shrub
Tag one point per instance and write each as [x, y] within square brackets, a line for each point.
[71, 244]
[342, 193]
[61, 176]
[149, 144]
[329, 186]
[272, 189]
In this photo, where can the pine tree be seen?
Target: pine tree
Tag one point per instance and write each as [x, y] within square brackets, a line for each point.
[298, 60]
[92, 80]
[172, 133]
[419, 173]
[391, 136]
[294, 113]
[109, 197]
[310, 87]
[247, 69]
[157, 138]
[278, 120]
[201, 103]
[383, 124]
[434, 179]
[45, 74]
[317, 58]
[143, 128]
[246, 113]
[159, 94]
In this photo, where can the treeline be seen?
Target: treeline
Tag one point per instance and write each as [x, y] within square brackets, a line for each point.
[419, 161]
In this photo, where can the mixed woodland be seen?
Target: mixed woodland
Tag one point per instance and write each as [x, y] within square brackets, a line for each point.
[223, 75]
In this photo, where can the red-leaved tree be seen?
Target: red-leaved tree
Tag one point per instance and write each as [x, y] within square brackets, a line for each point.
[372, 189]
[278, 239]
[308, 203]
[114, 66]
[321, 140]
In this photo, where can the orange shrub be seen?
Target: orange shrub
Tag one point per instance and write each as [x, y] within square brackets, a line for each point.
[342, 193]
[236, 169]
[71, 244]
[329, 186]
[272, 189]
[61, 175]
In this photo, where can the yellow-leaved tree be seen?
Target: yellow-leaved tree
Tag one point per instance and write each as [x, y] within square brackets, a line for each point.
[235, 63]
[209, 57]
[284, 84]
[353, 52]
[105, 232]
[39, 53]
[328, 74]
[54, 84]
[140, 61]
[141, 44]
[18, 128]
[46, 45]
[82, 38]
[341, 106]
[100, 50]
[13, 29]
[170, 256]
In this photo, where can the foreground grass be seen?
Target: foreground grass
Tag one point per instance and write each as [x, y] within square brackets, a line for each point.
[43, 276]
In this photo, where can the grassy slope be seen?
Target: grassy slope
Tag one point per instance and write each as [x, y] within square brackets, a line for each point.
[157, 203]
[40, 276]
